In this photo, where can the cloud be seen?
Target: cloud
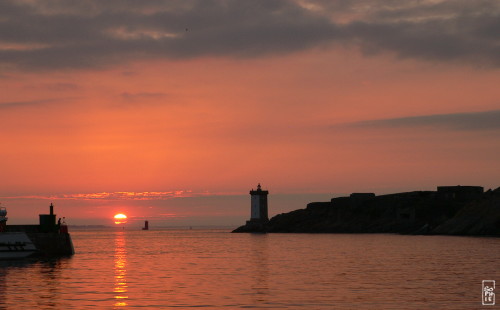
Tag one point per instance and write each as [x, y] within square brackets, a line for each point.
[142, 99]
[57, 87]
[142, 96]
[32, 103]
[128, 195]
[119, 195]
[42, 103]
[57, 34]
[473, 121]
[61, 86]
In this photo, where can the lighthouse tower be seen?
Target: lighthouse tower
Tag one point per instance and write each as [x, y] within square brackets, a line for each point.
[259, 205]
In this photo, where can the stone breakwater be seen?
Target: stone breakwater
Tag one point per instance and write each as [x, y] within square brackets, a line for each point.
[450, 210]
[48, 244]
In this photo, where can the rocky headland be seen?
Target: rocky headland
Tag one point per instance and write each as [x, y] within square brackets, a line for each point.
[450, 210]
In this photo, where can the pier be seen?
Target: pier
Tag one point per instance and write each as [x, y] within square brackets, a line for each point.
[51, 239]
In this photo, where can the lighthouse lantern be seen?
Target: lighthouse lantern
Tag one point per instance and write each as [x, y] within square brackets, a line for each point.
[258, 209]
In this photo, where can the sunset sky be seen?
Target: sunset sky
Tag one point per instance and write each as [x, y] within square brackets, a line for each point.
[173, 110]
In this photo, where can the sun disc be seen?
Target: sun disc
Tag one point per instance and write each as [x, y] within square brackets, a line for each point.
[120, 218]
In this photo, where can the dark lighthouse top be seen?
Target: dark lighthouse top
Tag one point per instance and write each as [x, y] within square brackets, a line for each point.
[259, 191]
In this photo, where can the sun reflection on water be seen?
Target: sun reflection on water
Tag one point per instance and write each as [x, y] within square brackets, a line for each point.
[121, 286]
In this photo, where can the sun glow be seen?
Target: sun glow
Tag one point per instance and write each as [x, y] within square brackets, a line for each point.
[120, 218]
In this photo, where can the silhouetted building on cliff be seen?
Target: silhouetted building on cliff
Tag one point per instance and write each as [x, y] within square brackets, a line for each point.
[447, 210]
[459, 192]
[258, 208]
[258, 212]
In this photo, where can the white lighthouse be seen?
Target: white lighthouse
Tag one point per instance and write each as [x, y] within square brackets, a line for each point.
[258, 211]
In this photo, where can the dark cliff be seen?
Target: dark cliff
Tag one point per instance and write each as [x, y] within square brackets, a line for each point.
[456, 210]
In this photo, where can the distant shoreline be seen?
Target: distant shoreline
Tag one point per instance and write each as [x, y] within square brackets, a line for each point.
[138, 228]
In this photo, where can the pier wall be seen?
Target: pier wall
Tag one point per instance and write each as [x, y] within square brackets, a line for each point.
[53, 244]
[47, 243]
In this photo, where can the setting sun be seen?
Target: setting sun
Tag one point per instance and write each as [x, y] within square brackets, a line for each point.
[120, 218]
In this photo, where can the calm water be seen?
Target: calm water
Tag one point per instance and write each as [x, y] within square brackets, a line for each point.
[218, 270]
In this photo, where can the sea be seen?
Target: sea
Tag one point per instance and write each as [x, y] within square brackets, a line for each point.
[215, 269]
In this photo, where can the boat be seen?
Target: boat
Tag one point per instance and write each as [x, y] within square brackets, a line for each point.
[47, 239]
[14, 245]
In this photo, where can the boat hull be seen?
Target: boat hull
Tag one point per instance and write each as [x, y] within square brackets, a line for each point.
[16, 245]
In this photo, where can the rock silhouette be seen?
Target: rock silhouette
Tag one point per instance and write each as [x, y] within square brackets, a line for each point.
[451, 210]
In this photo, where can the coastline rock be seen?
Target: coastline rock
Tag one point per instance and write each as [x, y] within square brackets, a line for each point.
[481, 217]
[451, 210]
[252, 227]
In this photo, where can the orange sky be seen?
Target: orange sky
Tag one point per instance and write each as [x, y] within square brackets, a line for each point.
[351, 111]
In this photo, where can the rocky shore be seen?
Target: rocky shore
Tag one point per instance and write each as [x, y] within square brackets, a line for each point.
[450, 210]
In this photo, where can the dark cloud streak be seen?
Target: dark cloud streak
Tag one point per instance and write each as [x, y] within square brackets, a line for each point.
[56, 34]
[473, 121]
[20, 104]
[132, 97]
[42, 103]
